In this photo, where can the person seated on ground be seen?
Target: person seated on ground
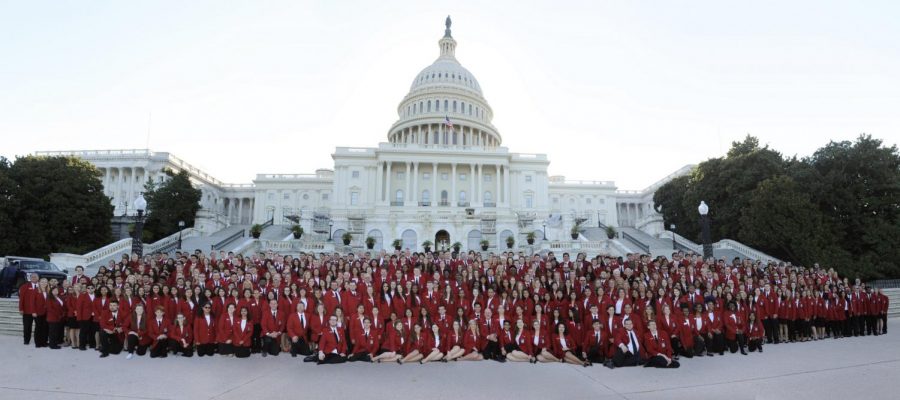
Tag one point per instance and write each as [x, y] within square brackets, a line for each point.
[657, 348]
[332, 345]
[627, 347]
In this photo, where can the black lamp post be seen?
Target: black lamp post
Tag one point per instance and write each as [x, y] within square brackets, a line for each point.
[545, 231]
[180, 228]
[137, 247]
[672, 228]
[704, 224]
[598, 219]
[330, 224]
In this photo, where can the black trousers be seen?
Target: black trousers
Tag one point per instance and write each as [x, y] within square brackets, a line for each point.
[242, 352]
[596, 354]
[699, 345]
[884, 323]
[134, 346]
[86, 335]
[176, 347]
[491, 350]
[857, 322]
[206, 349]
[770, 325]
[625, 359]
[256, 339]
[660, 362]
[739, 342]
[56, 334]
[271, 346]
[755, 344]
[300, 347]
[226, 349]
[332, 358]
[360, 357]
[160, 349]
[716, 343]
[41, 331]
[870, 325]
[27, 322]
[111, 343]
[677, 348]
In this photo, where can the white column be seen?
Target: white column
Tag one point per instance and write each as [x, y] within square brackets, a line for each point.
[240, 206]
[435, 199]
[379, 176]
[453, 198]
[106, 182]
[506, 189]
[480, 192]
[415, 182]
[408, 183]
[471, 197]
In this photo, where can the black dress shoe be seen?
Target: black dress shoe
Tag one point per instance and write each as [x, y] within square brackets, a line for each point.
[104, 355]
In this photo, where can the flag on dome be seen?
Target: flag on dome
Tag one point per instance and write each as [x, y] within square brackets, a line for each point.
[447, 122]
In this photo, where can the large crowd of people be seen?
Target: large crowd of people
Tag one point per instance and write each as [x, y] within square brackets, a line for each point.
[408, 307]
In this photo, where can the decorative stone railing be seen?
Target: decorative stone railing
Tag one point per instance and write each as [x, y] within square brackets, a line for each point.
[70, 261]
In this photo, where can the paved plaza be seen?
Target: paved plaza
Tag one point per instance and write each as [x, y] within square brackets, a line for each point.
[850, 368]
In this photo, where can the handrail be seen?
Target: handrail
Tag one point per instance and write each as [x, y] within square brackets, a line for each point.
[268, 223]
[636, 242]
[744, 249]
[168, 243]
[228, 240]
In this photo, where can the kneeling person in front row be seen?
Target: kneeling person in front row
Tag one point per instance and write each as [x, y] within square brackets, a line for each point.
[658, 349]
[628, 347]
[332, 345]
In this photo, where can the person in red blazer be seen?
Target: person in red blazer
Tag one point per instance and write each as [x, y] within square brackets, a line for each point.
[225, 331]
[39, 300]
[243, 334]
[137, 338]
[298, 330]
[393, 345]
[473, 343]
[365, 344]
[755, 333]
[882, 315]
[657, 349]
[273, 321]
[715, 339]
[317, 324]
[85, 316]
[734, 329]
[541, 343]
[431, 346]
[112, 329]
[333, 345]
[564, 346]
[71, 300]
[520, 347]
[56, 317]
[205, 331]
[158, 330]
[418, 339]
[453, 346]
[181, 336]
[26, 292]
[593, 344]
[627, 345]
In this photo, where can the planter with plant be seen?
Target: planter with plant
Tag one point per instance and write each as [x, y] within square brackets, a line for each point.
[346, 237]
[530, 238]
[575, 230]
[485, 244]
[370, 243]
[456, 246]
[297, 230]
[397, 243]
[610, 232]
[510, 242]
[256, 230]
[427, 245]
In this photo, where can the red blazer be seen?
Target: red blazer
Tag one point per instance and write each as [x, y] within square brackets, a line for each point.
[589, 340]
[143, 335]
[393, 342]
[733, 323]
[39, 302]
[155, 329]
[472, 342]
[296, 328]
[755, 329]
[85, 307]
[272, 324]
[316, 324]
[56, 309]
[622, 337]
[556, 346]
[660, 345]
[452, 339]
[328, 343]
[205, 333]
[25, 293]
[506, 337]
[242, 338]
[178, 333]
[363, 344]
[525, 341]
[713, 325]
[107, 322]
[225, 329]
[72, 306]
[100, 305]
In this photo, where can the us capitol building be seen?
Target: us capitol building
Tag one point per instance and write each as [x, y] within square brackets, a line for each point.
[443, 175]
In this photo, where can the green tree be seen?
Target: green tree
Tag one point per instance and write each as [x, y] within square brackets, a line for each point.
[58, 205]
[8, 208]
[174, 200]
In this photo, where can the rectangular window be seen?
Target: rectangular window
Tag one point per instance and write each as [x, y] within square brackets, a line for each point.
[287, 196]
[355, 174]
[444, 176]
[401, 175]
[529, 201]
[528, 178]
[354, 198]
[426, 176]
[487, 178]
[462, 177]
[271, 196]
[324, 196]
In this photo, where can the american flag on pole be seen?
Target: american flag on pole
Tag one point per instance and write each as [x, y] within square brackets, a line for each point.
[448, 123]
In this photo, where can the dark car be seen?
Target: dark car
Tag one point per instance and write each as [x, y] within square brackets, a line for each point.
[16, 271]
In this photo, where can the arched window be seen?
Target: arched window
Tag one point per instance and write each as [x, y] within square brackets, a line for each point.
[414, 108]
[429, 105]
[446, 105]
[462, 196]
[443, 196]
[470, 109]
[462, 107]
[399, 196]
[426, 196]
[454, 105]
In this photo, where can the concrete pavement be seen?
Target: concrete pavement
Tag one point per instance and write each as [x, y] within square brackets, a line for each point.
[865, 367]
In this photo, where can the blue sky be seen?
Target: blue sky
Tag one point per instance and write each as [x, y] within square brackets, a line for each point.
[610, 90]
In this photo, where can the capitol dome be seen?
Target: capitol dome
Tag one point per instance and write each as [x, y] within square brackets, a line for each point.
[445, 105]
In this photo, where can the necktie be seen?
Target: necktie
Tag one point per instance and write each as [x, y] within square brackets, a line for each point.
[633, 342]
[336, 336]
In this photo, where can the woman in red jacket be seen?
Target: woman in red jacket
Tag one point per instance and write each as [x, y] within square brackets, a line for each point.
[242, 334]
[181, 338]
[225, 331]
[56, 315]
[137, 339]
[71, 301]
[734, 329]
[520, 348]
[205, 331]
[431, 346]
[565, 347]
[473, 343]
[417, 340]
[393, 346]
[39, 300]
[755, 333]
[540, 343]
[453, 343]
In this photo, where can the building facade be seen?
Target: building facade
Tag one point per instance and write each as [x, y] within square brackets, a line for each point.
[443, 176]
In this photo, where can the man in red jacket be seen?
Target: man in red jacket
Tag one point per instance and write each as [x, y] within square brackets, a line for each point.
[25, 307]
[272, 328]
[332, 345]
[627, 346]
[298, 331]
[112, 331]
[366, 343]
[657, 349]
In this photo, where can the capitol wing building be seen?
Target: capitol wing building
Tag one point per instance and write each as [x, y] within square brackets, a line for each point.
[442, 176]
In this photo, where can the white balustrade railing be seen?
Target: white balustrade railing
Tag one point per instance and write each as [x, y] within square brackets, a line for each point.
[112, 250]
[744, 249]
[170, 240]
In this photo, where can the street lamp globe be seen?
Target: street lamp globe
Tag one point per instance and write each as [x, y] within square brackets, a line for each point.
[140, 204]
[703, 208]
[181, 224]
